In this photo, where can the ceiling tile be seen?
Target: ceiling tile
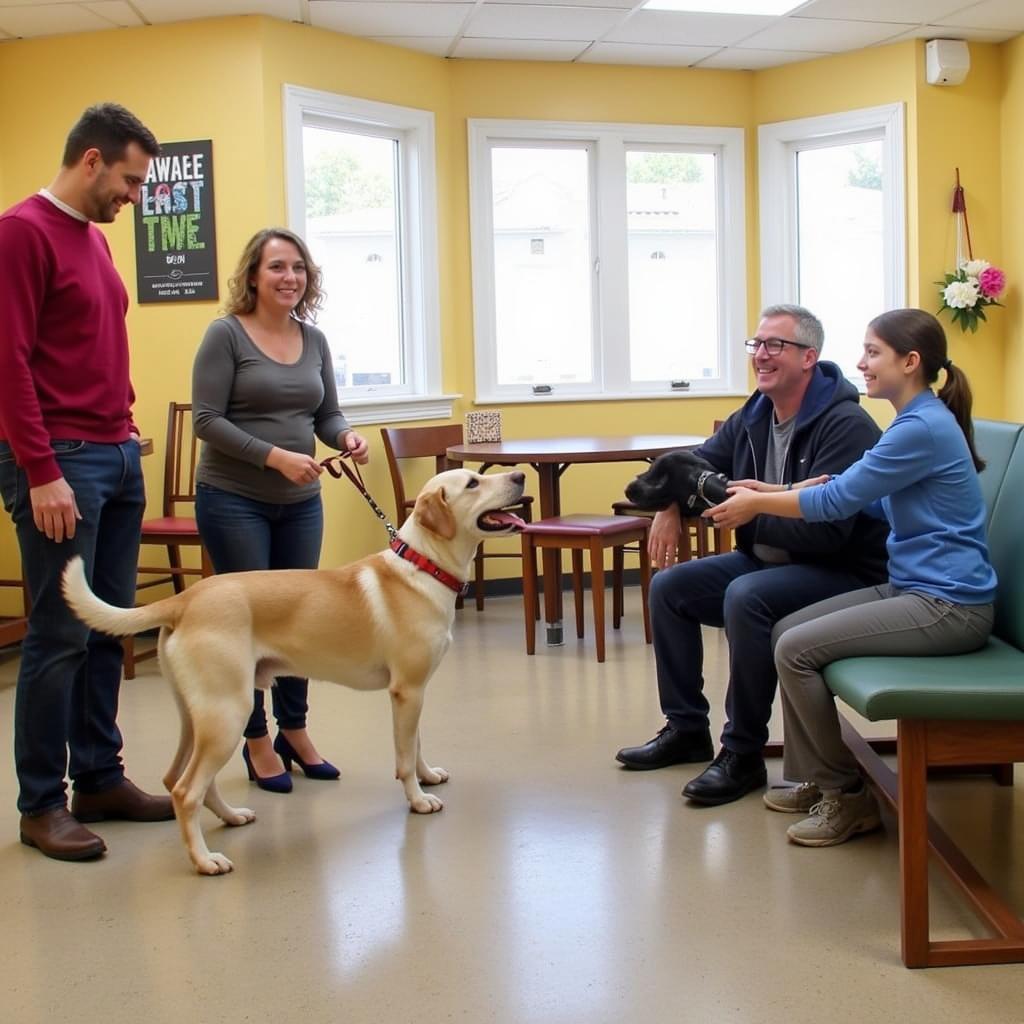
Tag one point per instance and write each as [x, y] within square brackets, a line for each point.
[520, 49]
[118, 12]
[163, 11]
[639, 53]
[622, 5]
[522, 21]
[905, 11]
[50, 20]
[741, 59]
[687, 29]
[822, 35]
[1008, 14]
[977, 35]
[391, 19]
[437, 45]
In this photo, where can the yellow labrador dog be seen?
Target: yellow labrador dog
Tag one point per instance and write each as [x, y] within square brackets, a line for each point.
[384, 621]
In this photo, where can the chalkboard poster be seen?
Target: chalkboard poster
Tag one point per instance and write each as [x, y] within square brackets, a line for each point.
[175, 239]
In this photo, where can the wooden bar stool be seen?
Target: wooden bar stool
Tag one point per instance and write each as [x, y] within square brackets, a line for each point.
[579, 533]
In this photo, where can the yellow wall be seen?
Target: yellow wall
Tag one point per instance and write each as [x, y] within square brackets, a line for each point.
[225, 84]
[1012, 213]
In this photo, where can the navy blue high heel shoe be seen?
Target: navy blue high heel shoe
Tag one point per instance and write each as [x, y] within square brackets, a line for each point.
[323, 770]
[272, 783]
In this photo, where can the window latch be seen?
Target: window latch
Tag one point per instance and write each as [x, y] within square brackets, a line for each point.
[680, 385]
[542, 389]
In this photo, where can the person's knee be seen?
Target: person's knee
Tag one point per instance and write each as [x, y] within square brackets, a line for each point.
[744, 597]
[669, 590]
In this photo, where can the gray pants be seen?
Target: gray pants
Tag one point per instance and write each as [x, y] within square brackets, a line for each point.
[876, 621]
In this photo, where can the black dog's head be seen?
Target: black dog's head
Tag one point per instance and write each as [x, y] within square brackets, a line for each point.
[679, 477]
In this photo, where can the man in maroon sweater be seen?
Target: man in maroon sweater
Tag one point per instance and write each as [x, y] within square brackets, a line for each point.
[70, 478]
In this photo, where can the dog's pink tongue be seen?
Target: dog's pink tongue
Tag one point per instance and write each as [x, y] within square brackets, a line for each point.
[505, 519]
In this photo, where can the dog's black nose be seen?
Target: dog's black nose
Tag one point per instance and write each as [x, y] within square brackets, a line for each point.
[518, 478]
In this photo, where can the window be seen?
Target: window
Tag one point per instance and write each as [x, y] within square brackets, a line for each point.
[608, 260]
[361, 192]
[832, 222]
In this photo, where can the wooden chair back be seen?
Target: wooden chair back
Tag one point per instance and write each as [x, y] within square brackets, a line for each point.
[180, 457]
[416, 443]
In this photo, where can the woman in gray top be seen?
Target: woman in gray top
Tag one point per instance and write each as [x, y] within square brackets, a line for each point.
[262, 387]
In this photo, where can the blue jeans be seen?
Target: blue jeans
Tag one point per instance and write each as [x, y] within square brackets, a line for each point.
[69, 678]
[747, 597]
[241, 534]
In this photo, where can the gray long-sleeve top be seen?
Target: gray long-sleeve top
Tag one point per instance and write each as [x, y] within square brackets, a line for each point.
[244, 403]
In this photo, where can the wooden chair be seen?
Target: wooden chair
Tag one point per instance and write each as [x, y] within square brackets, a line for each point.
[402, 443]
[581, 533]
[171, 530]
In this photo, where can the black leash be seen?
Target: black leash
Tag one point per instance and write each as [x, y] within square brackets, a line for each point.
[336, 466]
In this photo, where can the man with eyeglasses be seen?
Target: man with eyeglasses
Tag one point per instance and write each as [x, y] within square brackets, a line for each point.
[803, 420]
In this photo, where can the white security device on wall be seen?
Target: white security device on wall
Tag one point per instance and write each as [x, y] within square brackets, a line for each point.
[947, 61]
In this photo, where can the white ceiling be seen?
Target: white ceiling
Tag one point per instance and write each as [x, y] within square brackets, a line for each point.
[584, 31]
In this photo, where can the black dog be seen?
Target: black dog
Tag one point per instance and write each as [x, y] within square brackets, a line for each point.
[679, 477]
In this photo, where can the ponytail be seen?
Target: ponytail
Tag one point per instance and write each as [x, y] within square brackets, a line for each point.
[956, 393]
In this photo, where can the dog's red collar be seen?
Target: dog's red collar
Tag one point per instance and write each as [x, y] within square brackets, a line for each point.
[423, 563]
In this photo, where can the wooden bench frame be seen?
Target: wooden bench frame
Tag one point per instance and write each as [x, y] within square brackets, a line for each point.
[938, 747]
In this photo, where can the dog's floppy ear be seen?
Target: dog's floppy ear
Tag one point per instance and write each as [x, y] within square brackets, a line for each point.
[433, 513]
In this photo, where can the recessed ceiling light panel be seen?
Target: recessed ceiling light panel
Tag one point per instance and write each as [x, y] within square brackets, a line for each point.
[763, 7]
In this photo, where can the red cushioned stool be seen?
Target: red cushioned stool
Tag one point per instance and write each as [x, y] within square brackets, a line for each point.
[579, 533]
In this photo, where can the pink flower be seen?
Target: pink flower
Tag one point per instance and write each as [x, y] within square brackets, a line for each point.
[991, 282]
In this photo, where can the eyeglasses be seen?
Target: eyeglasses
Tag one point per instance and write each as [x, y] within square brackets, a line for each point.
[773, 346]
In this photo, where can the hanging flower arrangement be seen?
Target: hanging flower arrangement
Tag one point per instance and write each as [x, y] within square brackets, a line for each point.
[974, 284]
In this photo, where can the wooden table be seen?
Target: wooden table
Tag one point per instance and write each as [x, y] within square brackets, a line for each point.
[551, 457]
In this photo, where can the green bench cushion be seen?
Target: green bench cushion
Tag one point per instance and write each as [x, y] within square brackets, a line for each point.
[984, 685]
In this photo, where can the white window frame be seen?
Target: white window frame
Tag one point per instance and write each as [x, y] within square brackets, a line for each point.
[421, 396]
[778, 146]
[611, 286]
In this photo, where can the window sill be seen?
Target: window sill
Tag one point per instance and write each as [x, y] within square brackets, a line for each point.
[626, 396]
[397, 409]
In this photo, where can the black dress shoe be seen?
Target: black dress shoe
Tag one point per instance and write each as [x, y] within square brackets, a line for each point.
[727, 778]
[670, 746]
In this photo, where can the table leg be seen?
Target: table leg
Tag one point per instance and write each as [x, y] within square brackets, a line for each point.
[548, 475]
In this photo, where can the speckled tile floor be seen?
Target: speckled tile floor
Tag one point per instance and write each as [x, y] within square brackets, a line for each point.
[554, 888]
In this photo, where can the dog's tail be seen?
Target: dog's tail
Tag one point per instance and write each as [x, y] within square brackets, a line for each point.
[105, 617]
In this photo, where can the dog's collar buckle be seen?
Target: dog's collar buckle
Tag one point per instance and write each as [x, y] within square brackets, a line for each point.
[424, 564]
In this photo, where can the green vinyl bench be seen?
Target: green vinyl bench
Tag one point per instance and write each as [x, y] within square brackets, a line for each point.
[952, 712]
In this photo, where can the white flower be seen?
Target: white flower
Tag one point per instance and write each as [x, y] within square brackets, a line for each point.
[972, 268]
[961, 294]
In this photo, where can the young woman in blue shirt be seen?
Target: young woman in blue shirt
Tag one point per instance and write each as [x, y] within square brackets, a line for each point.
[922, 477]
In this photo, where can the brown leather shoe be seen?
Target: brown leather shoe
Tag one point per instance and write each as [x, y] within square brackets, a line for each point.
[125, 801]
[58, 835]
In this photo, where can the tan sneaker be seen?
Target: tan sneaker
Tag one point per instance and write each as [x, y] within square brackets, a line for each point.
[793, 799]
[836, 818]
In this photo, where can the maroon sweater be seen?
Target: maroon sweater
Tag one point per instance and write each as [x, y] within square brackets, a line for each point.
[63, 339]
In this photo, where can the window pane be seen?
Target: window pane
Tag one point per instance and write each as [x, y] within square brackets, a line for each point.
[542, 265]
[841, 245]
[673, 265]
[352, 232]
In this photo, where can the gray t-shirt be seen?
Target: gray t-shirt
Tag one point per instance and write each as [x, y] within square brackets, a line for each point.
[244, 403]
[774, 470]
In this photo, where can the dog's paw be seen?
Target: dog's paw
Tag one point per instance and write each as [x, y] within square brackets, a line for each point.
[239, 816]
[434, 776]
[214, 864]
[425, 804]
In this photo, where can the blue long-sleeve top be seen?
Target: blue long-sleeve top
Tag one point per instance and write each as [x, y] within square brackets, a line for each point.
[920, 478]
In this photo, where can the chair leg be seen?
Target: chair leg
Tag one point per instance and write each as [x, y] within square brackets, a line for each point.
[478, 577]
[529, 592]
[174, 561]
[128, 647]
[645, 587]
[618, 557]
[577, 589]
[597, 593]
